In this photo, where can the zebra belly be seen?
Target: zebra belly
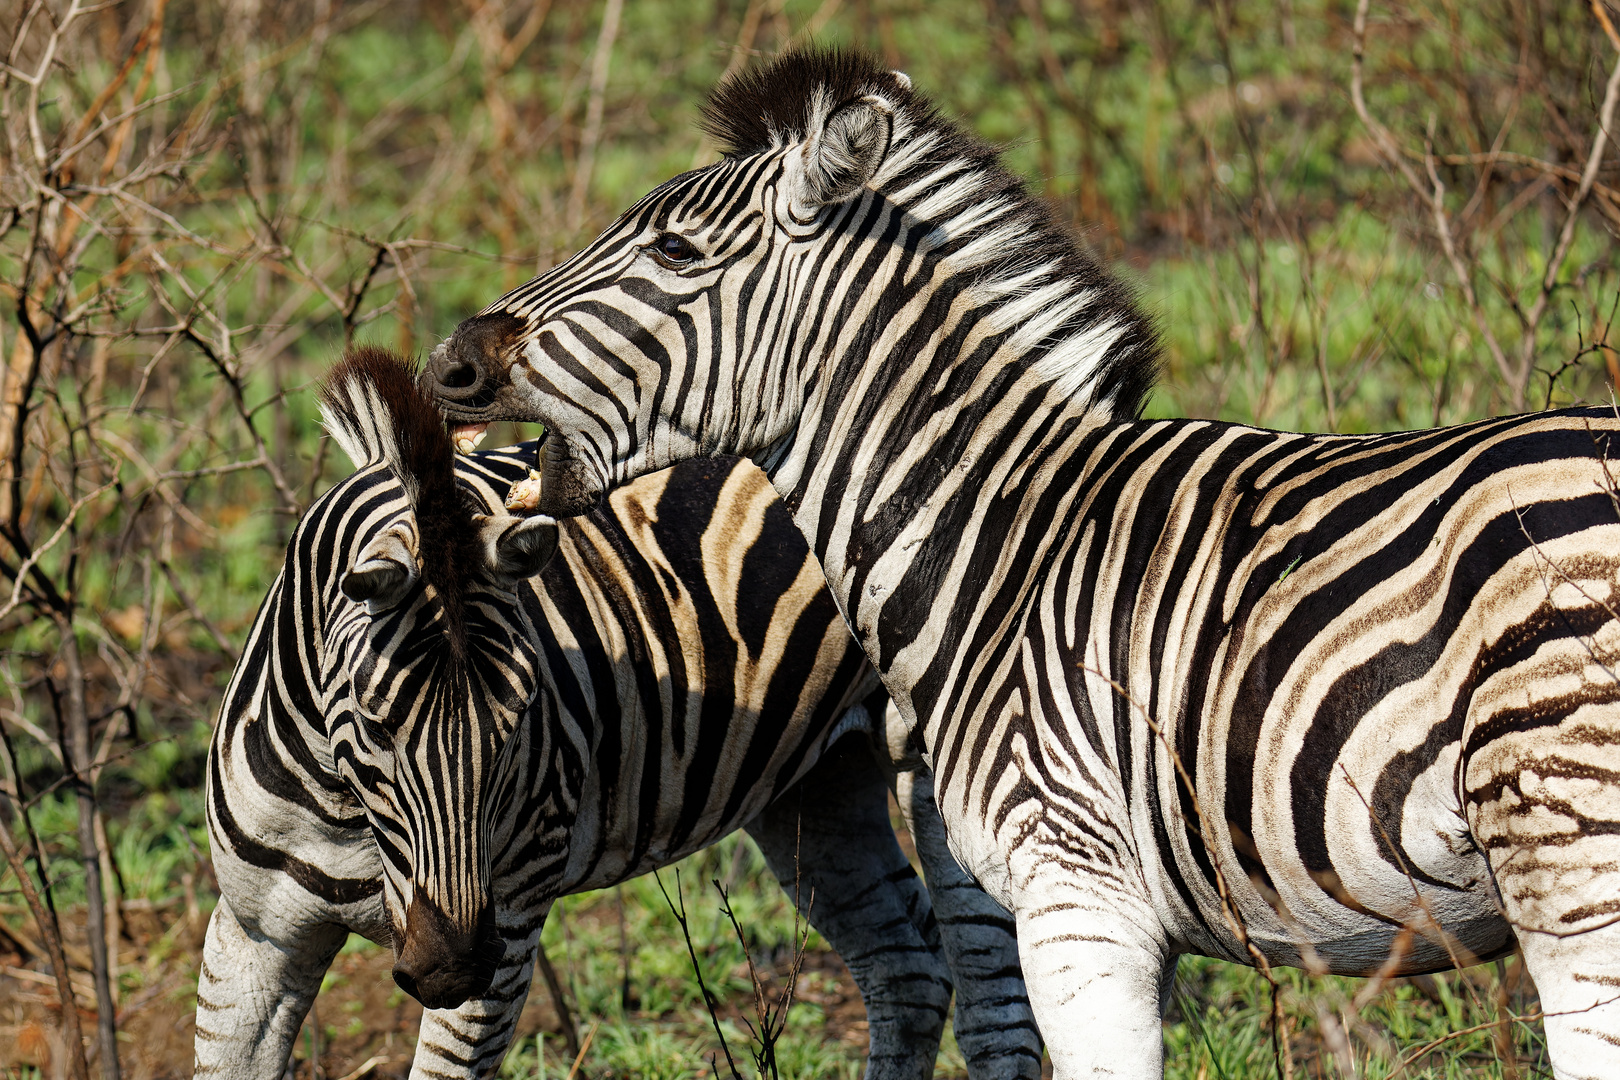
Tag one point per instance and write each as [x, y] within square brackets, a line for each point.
[1363, 858]
[1367, 837]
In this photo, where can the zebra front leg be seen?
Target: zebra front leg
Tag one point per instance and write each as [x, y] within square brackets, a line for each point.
[1095, 959]
[253, 993]
[829, 842]
[1543, 803]
[471, 1040]
[994, 1025]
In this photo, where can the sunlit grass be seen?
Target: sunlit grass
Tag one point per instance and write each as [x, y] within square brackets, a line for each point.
[1144, 159]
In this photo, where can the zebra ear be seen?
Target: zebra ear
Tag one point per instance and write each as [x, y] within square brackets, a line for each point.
[383, 572]
[840, 158]
[516, 548]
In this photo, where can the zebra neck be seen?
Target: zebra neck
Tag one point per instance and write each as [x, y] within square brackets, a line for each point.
[894, 492]
[945, 379]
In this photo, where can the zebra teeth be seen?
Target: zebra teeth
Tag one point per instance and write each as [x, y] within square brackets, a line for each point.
[468, 436]
[525, 494]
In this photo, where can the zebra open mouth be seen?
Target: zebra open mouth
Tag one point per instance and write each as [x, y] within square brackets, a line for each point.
[467, 436]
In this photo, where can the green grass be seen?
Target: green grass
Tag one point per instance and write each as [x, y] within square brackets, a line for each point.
[667, 1033]
[1219, 1025]
[1159, 131]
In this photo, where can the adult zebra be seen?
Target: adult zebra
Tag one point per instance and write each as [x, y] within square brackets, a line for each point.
[1386, 663]
[411, 750]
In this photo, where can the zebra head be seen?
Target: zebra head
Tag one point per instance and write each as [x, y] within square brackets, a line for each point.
[427, 665]
[734, 309]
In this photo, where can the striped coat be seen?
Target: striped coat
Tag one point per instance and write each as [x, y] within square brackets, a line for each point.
[1346, 702]
[426, 745]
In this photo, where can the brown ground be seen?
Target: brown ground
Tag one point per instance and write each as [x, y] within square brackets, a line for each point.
[363, 1025]
[157, 962]
[367, 1025]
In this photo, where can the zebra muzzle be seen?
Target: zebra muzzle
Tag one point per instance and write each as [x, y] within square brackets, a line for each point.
[442, 964]
[463, 372]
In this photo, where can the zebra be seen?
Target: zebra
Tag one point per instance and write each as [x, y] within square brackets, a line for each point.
[427, 744]
[1343, 702]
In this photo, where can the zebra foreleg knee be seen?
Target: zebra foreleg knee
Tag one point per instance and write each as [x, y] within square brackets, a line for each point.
[829, 842]
[994, 1026]
[253, 994]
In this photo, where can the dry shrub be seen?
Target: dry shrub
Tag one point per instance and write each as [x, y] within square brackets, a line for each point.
[201, 202]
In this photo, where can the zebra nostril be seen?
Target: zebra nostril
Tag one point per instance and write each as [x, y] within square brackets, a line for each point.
[406, 982]
[471, 362]
[457, 375]
[454, 376]
[444, 987]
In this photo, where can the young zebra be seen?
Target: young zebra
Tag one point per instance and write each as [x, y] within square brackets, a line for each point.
[426, 744]
[1387, 664]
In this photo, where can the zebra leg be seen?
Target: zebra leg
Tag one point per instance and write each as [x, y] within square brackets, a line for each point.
[1543, 803]
[1561, 900]
[253, 993]
[470, 1040]
[829, 842]
[1578, 979]
[994, 1026]
[1094, 959]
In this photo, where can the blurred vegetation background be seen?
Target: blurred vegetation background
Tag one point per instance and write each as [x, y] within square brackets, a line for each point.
[1346, 216]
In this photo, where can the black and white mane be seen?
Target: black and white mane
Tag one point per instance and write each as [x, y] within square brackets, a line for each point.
[374, 410]
[1083, 321]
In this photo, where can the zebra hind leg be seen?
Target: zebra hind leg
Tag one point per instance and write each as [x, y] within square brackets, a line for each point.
[829, 842]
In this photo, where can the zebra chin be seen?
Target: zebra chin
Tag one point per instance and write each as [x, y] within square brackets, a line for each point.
[441, 964]
[568, 485]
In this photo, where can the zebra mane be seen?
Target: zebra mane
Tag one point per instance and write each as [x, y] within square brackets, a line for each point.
[1080, 323]
[768, 107]
[374, 410]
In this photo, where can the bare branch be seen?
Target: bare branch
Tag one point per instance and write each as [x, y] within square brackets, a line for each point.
[593, 114]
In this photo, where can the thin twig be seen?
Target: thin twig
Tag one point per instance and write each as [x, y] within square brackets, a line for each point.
[710, 1002]
[586, 162]
[44, 919]
[559, 1004]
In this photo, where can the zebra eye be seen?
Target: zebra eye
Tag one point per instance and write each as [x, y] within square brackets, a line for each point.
[674, 250]
[379, 734]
